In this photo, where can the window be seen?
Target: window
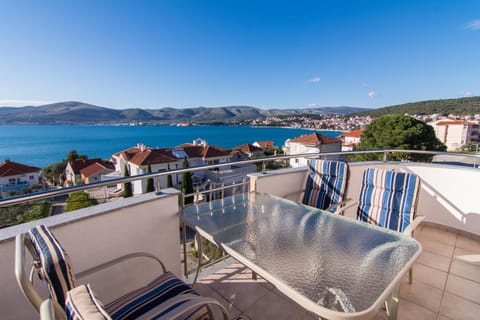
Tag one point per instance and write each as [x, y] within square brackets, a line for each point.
[32, 177]
[11, 180]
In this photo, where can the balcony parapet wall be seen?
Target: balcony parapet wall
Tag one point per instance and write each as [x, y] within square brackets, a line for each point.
[91, 236]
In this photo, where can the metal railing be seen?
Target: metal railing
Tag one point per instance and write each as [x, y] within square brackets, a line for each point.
[96, 185]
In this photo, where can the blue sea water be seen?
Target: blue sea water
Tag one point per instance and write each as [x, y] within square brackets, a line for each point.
[43, 145]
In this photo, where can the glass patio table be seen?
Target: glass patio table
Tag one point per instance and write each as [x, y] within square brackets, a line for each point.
[333, 266]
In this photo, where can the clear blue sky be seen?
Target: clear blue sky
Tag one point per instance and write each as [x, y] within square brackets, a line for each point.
[154, 54]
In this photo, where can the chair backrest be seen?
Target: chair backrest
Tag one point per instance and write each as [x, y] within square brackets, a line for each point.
[54, 264]
[326, 183]
[388, 198]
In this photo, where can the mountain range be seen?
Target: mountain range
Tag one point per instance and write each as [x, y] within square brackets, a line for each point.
[73, 112]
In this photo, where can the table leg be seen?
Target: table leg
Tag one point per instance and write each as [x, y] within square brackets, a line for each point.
[200, 255]
[392, 303]
[184, 234]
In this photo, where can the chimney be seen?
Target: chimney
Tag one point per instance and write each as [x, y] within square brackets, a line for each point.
[141, 146]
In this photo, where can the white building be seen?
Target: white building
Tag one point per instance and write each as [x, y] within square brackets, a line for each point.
[351, 139]
[16, 177]
[456, 133]
[137, 159]
[310, 143]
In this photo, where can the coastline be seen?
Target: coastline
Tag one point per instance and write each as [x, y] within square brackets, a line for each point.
[43, 145]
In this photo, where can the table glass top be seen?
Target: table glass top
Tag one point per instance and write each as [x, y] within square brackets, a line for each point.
[334, 261]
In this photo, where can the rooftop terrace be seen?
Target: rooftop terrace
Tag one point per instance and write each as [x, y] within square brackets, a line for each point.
[446, 276]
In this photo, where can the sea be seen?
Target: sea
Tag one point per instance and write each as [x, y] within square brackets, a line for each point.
[41, 146]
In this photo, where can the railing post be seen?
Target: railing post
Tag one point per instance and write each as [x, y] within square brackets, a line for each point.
[264, 167]
[184, 235]
[385, 156]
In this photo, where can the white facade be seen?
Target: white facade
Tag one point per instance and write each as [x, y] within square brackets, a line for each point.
[18, 182]
[456, 133]
[299, 148]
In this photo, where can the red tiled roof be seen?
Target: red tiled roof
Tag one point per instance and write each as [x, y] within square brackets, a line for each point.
[80, 164]
[265, 144]
[455, 122]
[153, 156]
[315, 139]
[248, 148]
[191, 150]
[354, 134]
[95, 168]
[10, 168]
[200, 151]
[129, 153]
[212, 152]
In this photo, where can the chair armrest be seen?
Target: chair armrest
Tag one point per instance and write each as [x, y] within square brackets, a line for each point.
[118, 260]
[347, 203]
[46, 310]
[192, 302]
[413, 225]
[23, 282]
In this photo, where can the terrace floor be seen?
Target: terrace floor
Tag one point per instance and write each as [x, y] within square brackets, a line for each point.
[446, 284]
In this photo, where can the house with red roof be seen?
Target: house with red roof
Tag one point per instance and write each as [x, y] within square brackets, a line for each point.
[456, 133]
[265, 145]
[73, 168]
[310, 143]
[250, 150]
[16, 176]
[95, 171]
[139, 158]
[350, 140]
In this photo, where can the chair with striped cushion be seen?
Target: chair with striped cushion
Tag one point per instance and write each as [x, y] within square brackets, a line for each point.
[326, 184]
[389, 199]
[52, 265]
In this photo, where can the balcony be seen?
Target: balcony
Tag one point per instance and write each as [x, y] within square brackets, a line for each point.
[446, 276]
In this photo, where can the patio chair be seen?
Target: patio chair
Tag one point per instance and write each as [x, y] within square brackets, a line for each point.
[326, 184]
[389, 199]
[52, 264]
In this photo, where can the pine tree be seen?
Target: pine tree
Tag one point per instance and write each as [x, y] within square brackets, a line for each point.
[187, 185]
[127, 186]
[150, 187]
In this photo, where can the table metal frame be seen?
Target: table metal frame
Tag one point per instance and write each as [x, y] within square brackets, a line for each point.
[389, 296]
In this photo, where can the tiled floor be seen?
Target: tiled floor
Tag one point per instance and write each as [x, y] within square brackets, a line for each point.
[446, 284]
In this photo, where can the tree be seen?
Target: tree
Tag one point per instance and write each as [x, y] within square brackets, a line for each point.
[150, 187]
[38, 211]
[127, 186]
[73, 155]
[55, 173]
[78, 200]
[187, 185]
[399, 132]
[169, 179]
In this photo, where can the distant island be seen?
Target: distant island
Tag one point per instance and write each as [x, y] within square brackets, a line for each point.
[73, 112]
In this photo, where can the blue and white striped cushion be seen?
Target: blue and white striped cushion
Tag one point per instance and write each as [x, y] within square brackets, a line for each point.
[55, 266]
[326, 183]
[388, 198]
[139, 302]
[81, 304]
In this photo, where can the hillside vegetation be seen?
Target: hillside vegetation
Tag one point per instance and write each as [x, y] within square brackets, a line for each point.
[460, 106]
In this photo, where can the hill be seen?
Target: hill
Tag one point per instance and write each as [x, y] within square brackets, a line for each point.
[460, 106]
[73, 112]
